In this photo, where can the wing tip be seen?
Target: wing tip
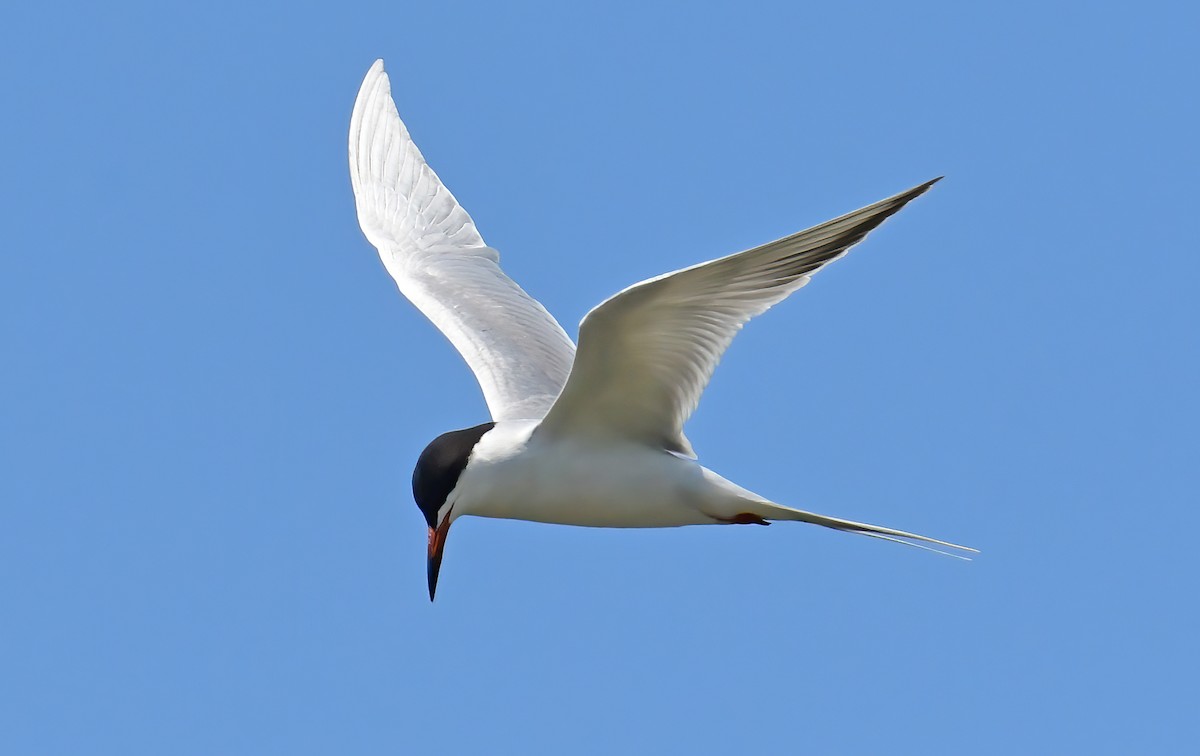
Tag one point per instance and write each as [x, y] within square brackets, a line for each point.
[369, 114]
[374, 72]
[365, 90]
[917, 190]
[370, 80]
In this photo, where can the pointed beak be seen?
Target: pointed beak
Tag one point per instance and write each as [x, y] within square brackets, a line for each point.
[437, 542]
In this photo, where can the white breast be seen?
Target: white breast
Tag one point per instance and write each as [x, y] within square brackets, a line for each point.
[586, 482]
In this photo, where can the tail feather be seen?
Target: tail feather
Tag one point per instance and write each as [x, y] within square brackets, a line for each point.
[780, 512]
[921, 546]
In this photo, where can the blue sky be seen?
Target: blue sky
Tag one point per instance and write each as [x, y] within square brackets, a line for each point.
[214, 396]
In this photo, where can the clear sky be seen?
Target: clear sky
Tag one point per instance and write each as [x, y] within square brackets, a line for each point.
[213, 395]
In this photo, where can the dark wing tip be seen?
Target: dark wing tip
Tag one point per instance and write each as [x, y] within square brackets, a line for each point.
[916, 191]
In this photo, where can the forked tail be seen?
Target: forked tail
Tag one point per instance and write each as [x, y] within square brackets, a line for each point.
[779, 512]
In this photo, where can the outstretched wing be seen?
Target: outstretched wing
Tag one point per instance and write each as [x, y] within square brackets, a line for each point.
[646, 353]
[520, 355]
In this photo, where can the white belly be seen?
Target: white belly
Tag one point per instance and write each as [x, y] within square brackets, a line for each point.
[592, 484]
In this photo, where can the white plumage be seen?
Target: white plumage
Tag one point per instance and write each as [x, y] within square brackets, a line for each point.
[429, 244]
[589, 438]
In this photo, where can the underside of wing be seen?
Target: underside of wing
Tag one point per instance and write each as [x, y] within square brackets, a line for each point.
[646, 354]
[520, 355]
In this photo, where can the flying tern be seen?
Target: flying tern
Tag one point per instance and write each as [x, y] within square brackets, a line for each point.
[590, 436]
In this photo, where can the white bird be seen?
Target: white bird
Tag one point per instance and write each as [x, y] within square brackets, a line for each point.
[593, 438]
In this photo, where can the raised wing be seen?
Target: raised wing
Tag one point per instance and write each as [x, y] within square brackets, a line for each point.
[646, 353]
[520, 355]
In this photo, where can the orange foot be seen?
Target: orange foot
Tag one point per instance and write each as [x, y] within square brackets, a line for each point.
[743, 518]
